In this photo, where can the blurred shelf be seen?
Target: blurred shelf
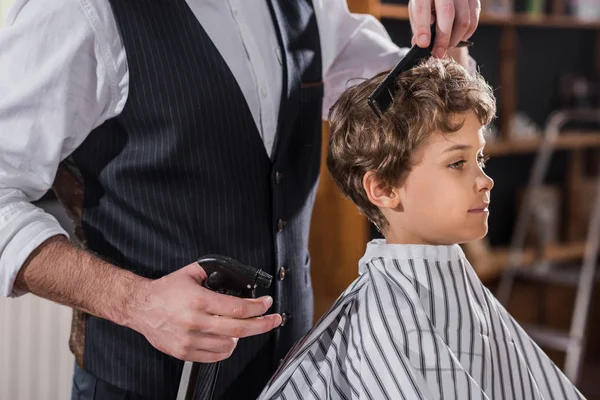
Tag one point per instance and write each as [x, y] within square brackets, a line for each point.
[542, 21]
[567, 140]
[560, 252]
[400, 12]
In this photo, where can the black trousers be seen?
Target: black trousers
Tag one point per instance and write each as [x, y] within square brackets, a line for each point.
[88, 387]
[246, 385]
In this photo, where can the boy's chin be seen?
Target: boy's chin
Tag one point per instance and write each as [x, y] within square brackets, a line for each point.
[472, 235]
[479, 234]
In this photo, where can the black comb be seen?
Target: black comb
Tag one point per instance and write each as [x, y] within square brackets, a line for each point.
[383, 95]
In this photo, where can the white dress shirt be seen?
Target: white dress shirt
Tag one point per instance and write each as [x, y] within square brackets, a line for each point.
[417, 324]
[63, 72]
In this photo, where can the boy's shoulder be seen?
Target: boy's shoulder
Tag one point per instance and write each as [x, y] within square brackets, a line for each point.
[336, 326]
[371, 309]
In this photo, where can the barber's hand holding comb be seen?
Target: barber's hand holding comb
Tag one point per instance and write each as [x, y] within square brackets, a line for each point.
[455, 20]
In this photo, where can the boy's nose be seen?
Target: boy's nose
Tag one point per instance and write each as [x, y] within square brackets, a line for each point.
[484, 182]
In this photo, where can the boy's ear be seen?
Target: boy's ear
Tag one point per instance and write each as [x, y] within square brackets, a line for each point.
[379, 194]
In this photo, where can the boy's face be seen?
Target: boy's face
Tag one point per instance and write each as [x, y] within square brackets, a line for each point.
[444, 199]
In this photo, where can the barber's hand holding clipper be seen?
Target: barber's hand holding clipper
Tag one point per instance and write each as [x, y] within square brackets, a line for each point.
[182, 318]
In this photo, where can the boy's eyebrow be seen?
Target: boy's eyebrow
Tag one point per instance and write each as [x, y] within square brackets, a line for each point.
[457, 147]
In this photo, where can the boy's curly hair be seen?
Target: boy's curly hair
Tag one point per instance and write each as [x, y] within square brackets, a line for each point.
[429, 95]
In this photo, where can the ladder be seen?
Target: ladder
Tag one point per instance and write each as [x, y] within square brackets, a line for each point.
[582, 276]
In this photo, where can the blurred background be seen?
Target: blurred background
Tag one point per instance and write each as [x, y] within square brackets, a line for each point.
[542, 57]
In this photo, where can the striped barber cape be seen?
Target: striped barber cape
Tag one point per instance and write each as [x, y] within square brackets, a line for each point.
[417, 324]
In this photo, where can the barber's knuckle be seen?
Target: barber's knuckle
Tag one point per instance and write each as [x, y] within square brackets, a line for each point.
[220, 347]
[421, 9]
[198, 303]
[463, 22]
[187, 324]
[206, 325]
[239, 331]
[446, 10]
[239, 311]
[185, 344]
[191, 325]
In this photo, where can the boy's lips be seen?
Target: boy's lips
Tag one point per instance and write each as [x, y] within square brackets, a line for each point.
[482, 208]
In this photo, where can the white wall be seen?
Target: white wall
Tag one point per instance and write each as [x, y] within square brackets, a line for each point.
[35, 361]
[4, 4]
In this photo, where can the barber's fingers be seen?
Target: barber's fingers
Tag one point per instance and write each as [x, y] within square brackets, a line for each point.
[456, 20]
[474, 12]
[240, 328]
[216, 344]
[203, 347]
[462, 22]
[203, 356]
[444, 15]
[234, 307]
[419, 12]
[213, 343]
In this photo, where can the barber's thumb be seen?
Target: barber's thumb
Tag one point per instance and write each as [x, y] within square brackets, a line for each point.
[195, 271]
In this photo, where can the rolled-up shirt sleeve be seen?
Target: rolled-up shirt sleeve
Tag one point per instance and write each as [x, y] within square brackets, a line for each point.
[354, 47]
[56, 86]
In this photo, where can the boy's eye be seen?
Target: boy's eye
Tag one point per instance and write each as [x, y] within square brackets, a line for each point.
[481, 159]
[458, 165]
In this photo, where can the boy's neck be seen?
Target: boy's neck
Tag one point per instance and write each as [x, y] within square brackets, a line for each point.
[404, 237]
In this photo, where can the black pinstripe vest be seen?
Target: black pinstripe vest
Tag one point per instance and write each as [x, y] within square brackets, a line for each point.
[183, 172]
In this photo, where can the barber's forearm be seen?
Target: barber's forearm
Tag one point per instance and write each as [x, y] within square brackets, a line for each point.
[59, 271]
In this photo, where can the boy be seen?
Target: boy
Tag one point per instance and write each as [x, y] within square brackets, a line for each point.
[417, 323]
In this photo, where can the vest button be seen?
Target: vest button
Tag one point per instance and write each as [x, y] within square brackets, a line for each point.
[280, 224]
[278, 177]
[284, 318]
[282, 273]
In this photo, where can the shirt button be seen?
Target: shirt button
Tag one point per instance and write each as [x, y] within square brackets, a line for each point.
[278, 177]
[280, 224]
[263, 91]
[236, 12]
[282, 273]
[284, 318]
